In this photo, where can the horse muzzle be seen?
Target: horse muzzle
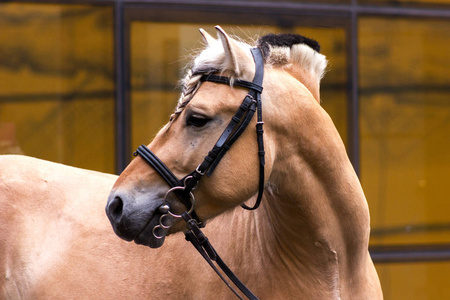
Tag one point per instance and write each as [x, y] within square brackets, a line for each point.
[134, 218]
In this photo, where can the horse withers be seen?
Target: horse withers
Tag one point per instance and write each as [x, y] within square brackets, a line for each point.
[307, 240]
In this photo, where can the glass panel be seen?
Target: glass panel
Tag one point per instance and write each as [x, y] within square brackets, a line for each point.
[57, 83]
[303, 1]
[400, 2]
[160, 50]
[418, 281]
[405, 128]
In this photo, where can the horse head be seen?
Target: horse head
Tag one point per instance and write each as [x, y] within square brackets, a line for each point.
[292, 66]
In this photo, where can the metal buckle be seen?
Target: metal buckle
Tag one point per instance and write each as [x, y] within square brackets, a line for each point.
[198, 171]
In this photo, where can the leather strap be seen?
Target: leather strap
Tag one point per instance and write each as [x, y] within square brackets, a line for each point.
[226, 80]
[231, 133]
[204, 247]
[158, 165]
[259, 75]
[168, 176]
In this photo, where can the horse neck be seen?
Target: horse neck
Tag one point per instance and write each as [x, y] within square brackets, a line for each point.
[314, 218]
[308, 79]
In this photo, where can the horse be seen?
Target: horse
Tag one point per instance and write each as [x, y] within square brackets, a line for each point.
[308, 239]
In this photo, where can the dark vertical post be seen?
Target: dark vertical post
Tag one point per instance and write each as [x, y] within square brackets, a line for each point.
[353, 103]
[122, 132]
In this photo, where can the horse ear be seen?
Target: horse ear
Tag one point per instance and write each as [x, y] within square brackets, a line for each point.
[236, 59]
[208, 39]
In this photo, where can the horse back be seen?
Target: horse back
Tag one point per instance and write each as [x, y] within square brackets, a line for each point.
[44, 208]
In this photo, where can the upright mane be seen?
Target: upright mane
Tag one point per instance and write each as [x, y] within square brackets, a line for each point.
[278, 50]
[282, 49]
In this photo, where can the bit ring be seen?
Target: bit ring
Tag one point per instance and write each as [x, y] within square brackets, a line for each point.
[191, 198]
[157, 235]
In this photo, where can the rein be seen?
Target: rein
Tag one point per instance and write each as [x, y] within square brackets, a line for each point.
[183, 188]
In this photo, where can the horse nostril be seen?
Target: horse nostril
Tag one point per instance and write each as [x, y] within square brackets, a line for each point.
[115, 208]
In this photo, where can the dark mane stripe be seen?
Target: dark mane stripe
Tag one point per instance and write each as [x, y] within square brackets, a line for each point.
[285, 40]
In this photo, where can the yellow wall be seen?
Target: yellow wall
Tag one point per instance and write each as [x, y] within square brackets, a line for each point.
[405, 128]
[405, 157]
[57, 83]
[57, 103]
[415, 281]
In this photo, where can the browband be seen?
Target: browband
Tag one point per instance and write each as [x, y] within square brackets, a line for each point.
[226, 80]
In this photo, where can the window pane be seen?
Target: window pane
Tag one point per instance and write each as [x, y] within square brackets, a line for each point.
[57, 83]
[160, 51]
[311, 1]
[399, 2]
[405, 128]
[418, 281]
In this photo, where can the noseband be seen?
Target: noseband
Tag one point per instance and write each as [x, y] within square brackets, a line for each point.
[183, 187]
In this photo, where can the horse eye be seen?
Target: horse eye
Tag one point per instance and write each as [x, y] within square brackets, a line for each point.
[197, 120]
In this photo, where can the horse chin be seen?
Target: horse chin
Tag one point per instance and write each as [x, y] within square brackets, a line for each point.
[151, 242]
[146, 236]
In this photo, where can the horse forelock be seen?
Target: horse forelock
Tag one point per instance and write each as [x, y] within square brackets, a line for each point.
[210, 60]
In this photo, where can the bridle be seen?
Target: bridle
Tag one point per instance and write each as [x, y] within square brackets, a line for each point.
[183, 187]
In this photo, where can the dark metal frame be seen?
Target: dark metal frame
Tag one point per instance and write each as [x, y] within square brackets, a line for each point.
[294, 13]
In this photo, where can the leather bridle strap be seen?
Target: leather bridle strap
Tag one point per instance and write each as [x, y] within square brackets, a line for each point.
[158, 165]
[204, 247]
[238, 124]
[259, 75]
[167, 175]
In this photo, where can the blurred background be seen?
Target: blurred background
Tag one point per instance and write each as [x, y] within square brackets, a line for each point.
[86, 83]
